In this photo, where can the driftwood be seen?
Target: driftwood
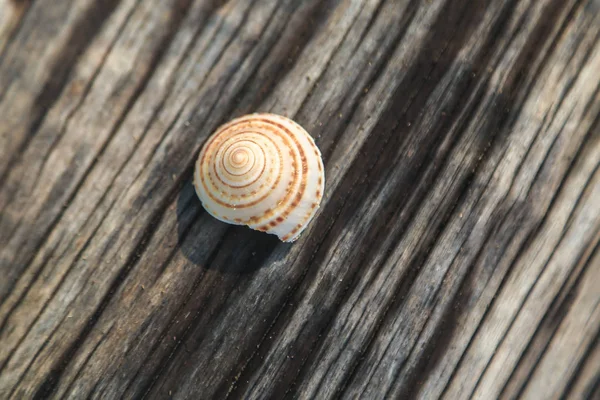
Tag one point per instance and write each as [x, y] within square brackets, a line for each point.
[456, 252]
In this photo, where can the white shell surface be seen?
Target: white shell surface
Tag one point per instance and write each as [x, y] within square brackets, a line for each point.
[263, 171]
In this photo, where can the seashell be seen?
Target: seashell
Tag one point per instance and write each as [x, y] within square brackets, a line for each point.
[263, 171]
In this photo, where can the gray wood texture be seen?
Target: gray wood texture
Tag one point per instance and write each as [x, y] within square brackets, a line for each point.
[455, 255]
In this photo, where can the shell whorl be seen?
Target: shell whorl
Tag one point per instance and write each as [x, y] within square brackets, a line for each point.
[264, 171]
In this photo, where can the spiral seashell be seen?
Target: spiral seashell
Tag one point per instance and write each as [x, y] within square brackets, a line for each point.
[263, 171]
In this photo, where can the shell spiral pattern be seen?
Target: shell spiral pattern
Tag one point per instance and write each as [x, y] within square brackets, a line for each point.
[263, 171]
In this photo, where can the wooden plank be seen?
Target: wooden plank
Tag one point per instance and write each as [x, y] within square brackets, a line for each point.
[570, 342]
[455, 251]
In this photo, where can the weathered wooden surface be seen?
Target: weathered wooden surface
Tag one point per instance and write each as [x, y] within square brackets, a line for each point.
[456, 251]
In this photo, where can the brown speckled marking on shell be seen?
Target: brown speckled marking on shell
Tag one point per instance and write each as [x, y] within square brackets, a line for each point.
[262, 170]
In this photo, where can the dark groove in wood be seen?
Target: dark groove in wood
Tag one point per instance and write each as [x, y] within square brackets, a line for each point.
[522, 248]
[25, 5]
[152, 119]
[332, 122]
[43, 308]
[396, 208]
[37, 353]
[83, 33]
[529, 238]
[41, 245]
[513, 319]
[434, 350]
[163, 365]
[549, 324]
[177, 314]
[52, 379]
[280, 61]
[420, 372]
[407, 281]
[367, 29]
[53, 223]
[88, 358]
[115, 129]
[593, 389]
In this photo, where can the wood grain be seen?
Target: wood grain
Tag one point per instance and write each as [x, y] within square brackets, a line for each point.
[456, 251]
